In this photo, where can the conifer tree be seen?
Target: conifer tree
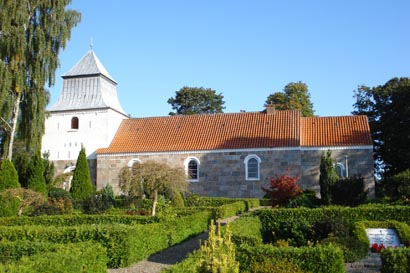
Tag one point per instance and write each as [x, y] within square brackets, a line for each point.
[328, 177]
[8, 175]
[81, 185]
[36, 180]
[32, 34]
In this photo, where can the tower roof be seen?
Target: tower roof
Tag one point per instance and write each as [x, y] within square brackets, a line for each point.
[87, 66]
[88, 85]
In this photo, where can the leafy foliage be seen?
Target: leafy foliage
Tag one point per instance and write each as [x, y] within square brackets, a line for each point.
[398, 186]
[26, 199]
[349, 191]
[295, 96]
[194, 100]
[388, 111]
[32, 34]
[328, 177]
[81, 185]
[282, 189]
[152, 178]
[8, 175]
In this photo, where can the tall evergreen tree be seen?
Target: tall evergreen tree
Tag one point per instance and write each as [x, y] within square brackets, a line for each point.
[81, 185]
[31, 36]
[8, 175]
[295, 96]
[328, 177]
[36, 180]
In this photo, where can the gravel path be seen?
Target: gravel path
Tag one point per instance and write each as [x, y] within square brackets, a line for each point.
[169, 256]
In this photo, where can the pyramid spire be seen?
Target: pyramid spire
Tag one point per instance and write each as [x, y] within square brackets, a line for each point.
[88, 85]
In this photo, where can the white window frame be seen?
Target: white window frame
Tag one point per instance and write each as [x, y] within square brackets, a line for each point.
[186, 163]
[132, 161]
[340, 167]
[245, 161]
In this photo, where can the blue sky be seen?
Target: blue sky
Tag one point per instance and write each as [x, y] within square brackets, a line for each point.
[245, 50]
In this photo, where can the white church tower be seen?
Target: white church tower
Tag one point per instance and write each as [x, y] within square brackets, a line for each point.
[87, 114]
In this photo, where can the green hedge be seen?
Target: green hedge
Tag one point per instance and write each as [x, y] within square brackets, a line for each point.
[126, 244]
[25, 256]
[246, 230]
[271, 218]
[74, 220]
[395, 260]
[321, 259]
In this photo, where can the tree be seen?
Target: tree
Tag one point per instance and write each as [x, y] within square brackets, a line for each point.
[8, 175]
[194, 100]
[282, 189]
[25, 198]
[36, 180]
[295, 96]
[81, 185]
[388, 111]
[32, 34]
[152, 178]
[328, 177]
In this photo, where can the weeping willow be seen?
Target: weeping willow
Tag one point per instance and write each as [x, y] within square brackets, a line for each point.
[32, 32]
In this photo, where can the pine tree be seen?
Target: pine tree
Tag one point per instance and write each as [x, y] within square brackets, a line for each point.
[328, 177]
[8, 175]
[32, 34]
[36, 180]
[81, 185]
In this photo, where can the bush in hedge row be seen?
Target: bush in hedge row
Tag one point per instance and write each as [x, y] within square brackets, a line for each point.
[25, 256]
[395, 260]
[321, 259]
[247, 230]
[228, 210]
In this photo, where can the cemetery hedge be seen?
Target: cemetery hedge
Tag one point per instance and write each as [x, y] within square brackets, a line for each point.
[127, 239]
[27, 256]
[395, 260]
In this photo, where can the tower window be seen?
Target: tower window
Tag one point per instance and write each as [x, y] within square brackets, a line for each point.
[74, 123]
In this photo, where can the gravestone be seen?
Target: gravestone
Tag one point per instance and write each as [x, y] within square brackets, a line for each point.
[386, 236]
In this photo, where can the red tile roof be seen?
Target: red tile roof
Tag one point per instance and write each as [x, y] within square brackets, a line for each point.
[335, 131]
[236, 131]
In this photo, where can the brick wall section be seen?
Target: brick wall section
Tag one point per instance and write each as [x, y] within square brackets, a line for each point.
[222, 174]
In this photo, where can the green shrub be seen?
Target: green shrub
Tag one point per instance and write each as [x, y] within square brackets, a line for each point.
[349, 191]
[81, 185]
[35, 175]
[25, 256]
[307, 199]
[277, 266]
[247, 230]
[229, 210]
[177, 200]
[320, 259]
[395, 260]
[401, 182]
[353, 248]
[9, 205]
[217, 254]
[8, 175]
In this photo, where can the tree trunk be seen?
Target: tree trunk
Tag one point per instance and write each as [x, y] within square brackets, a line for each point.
[154, 203]
[16, 109]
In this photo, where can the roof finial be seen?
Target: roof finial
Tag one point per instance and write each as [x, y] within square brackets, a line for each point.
[91, 44]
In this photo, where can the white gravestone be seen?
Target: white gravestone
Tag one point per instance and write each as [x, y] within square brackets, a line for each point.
[386, 236]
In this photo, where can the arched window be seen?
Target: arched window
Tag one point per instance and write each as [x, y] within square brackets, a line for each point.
[252, 169]
[192, 168]
[132, 162]
[341, 170]
[74, 123]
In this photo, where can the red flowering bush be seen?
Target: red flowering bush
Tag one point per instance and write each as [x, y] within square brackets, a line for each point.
[377, 248]
[282, 189]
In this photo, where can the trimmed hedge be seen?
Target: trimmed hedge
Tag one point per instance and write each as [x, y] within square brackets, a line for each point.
[395, 260]
[246, 230]
[126, 244]
[321, 259]
[25, 256]
[271, 218]
[75, 220]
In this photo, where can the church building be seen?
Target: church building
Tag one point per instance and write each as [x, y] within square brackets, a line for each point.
[225, 155]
